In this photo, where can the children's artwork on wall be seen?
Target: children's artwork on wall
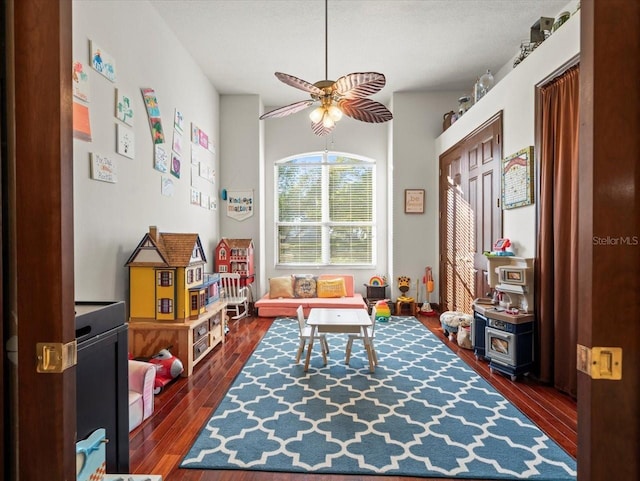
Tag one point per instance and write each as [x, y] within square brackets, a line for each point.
[153, 112]
[156, 130]
[125, 141]
[213, 205]
[81, 122]
[195, 197]
[124, 107]
[177, 142]
[195, 133]
[103, 168]
[178, 121]
[212, 148]
[203, 140]
[167, 187]
[195, 158]
[102, 62]
[239, 204]
[161, 159]
[202, 170]
[176, 161]
[80, 82]
[517, 179]
[195, 173]
[204, 200]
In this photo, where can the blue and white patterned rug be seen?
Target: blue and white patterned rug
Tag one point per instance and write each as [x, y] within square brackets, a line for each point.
[423, 412]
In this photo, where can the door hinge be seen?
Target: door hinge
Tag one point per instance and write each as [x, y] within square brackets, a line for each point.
[498, 202]
[600, 362]
[56, 357]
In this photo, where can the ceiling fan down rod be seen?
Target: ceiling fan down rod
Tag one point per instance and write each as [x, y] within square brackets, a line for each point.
[326, 39]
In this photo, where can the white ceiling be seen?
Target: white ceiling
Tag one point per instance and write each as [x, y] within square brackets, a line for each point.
[419, 45]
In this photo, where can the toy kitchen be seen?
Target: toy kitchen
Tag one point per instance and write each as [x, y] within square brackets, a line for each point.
[503, 326]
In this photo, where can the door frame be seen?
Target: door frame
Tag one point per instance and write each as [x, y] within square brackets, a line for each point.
[40, 202]
[609, 272]
[460, 151]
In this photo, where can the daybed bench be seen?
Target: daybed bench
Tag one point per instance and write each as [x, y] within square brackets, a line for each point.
[286, 293]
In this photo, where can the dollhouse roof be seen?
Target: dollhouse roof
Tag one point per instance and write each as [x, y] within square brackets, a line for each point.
[238, 243]
[167, 250]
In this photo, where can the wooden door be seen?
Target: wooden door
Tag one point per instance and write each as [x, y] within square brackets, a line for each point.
[40, 238]
[609, 236]
[482, 182]
[470, 214]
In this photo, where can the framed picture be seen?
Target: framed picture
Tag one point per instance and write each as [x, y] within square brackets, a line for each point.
[125, 141]
[414, 201]
[517, 179]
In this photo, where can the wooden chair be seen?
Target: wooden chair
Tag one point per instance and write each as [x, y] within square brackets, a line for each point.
[305, 335]
[368, 346]
[234, 294]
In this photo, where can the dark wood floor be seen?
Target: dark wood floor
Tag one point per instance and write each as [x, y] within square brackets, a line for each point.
[159, 444]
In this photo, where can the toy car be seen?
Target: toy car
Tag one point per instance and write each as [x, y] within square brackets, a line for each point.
[168, 367]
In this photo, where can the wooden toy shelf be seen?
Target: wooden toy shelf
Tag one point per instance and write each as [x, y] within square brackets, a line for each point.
[190, 341]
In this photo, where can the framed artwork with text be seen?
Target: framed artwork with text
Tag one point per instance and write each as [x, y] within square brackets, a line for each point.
[517, 179]
[414, 201]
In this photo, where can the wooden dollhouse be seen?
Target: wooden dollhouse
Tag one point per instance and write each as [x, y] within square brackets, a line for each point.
[167, 281]
[172, 301]
[235, 256]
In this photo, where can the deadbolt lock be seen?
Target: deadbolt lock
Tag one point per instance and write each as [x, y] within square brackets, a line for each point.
[600, 362]
[56, 357]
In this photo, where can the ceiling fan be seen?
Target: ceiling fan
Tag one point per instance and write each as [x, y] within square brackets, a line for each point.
[347, 95]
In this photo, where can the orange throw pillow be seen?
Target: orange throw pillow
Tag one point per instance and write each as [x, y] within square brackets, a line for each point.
[280, 287]
[332, 287]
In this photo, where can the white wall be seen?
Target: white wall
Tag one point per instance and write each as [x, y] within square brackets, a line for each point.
[292, 135]
[515, 96]
[111, 219]
[417, 122]
[240, 164]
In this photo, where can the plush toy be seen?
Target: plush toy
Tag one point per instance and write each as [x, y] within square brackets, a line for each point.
[404, 284]
[383, 313]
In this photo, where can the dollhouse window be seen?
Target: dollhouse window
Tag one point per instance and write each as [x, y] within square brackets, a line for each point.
[165, 306]
[198, 274]
[190, 276]
[165, 278]
[194, 302]
[223, 254]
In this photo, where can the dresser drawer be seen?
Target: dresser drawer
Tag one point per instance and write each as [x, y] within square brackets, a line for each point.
[200, 347]
[215, 321]
[216, 334]
[200, 331]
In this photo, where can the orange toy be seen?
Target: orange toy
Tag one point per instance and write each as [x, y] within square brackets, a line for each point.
[426, 307]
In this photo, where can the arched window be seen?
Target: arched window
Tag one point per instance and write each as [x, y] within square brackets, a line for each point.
[325, 210]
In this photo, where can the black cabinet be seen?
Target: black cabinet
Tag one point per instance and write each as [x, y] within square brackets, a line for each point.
[477, 334]
[102, 378]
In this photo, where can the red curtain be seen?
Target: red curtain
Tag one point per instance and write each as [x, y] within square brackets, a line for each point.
[556, 271]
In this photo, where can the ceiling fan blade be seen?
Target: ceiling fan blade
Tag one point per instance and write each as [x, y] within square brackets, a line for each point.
[320, 130]
[299, 83]
[360, 84]
[366, 110]
[287, 109]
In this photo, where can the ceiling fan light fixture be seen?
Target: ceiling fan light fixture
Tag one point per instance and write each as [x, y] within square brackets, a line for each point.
[327, 121]
[316, 114]
[335, 113]
[347, 95]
